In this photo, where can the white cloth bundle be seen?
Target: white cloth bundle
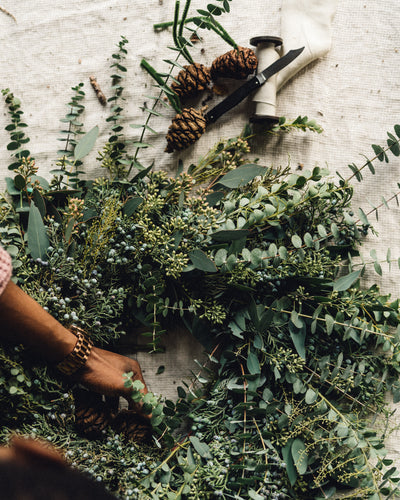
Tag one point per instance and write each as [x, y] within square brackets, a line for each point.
[304, 23]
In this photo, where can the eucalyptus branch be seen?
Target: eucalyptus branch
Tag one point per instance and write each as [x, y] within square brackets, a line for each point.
[380, 154]
[339, 323]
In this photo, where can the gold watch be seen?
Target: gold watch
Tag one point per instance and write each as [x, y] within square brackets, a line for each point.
[79, 354]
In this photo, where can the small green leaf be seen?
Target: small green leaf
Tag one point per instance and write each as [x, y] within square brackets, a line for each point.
[253, 364]
[85, 145]
[230, 235]
[380, 153]
[242, 175]
[298, 338]
[330, 322]
[11, 189]
[255, 496]
[321, 231]
[296, 241]
[378, 268]
[160, 370]
[294, 318]
[362, 216]
[132, 205]
[345, 282]
[299, 455]
[39, 202]
[201, 261]
[202, 448]
[283, 253]
[308, 240]
[38, 241]
[311, 396]
[19, 182]
[288, 459]
[335, 231]
[220, 257]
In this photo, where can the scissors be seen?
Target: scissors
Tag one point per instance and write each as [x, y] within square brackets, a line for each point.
[257, 81]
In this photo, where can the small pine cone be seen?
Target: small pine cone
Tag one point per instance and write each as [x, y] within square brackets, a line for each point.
[193, 79]
[185, 129]
[134, 426]
[237, 63]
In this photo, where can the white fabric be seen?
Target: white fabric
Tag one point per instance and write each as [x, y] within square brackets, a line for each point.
[305, 23]
[353, 91]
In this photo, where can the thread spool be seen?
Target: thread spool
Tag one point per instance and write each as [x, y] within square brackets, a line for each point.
[265, 96]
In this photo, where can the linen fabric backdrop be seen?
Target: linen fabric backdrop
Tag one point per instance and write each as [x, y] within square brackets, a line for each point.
[353, 93]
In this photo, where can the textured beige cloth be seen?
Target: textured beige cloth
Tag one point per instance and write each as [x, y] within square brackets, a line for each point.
[353, 92]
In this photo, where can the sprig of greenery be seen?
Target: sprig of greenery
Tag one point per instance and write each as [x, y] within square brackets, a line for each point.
[300, 123]
[114, 156]
[380, 154]
[17, 134]
[75, 128]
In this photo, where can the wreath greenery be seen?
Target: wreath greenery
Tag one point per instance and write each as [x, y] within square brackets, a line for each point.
[259, 264]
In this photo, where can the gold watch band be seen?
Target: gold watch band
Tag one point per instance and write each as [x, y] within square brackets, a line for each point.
[79, 354]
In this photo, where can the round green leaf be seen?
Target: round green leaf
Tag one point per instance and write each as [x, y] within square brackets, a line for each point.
[296, 241]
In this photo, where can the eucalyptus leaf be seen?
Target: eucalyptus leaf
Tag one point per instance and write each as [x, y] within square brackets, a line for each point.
[86, 143]
[311, 396]
[296, 241]
[345, 282]
[242, 175]
[230, 235]
[298, 337]
[288, 459]
[38, 241]
[202, 448]
[299, 455]
[253, 364]
[202, 262]
[131, 205]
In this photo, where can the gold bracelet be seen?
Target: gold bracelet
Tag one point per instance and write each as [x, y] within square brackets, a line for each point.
[79, 354]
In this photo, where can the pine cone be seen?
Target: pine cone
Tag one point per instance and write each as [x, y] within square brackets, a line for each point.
[92, 414]
[134, 426]
[237, 63]
[185, 129]
[193, 79]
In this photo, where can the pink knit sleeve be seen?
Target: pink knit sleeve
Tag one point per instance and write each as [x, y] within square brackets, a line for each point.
[5, 269]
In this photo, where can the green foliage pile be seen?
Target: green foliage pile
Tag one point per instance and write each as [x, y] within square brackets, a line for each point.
[260, 265]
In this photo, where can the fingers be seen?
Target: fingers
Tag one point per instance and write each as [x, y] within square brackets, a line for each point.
[104, 372]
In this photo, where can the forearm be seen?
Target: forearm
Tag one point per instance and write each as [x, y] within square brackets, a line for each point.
[24, 321]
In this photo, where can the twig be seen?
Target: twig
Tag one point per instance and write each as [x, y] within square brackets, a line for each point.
[5, 11]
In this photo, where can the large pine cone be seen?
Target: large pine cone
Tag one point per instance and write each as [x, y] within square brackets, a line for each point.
[135, 427]
[237, 63]
[92, 414]
[185, 129]
[193, 79]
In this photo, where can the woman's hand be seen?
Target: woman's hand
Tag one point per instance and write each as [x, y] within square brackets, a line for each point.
[24, 321]
[103, 372]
